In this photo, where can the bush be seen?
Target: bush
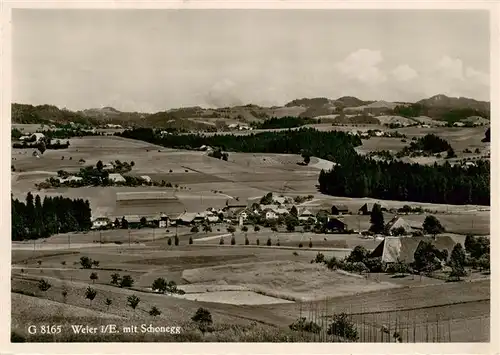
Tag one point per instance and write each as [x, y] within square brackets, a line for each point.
[300, 245]
[233, 240]
[169, 241]
[86, 262]
[126, 281]
[133, 301]
[320, 258]
[195, 229]
[268, 243]
[343, 327]
[256, 228]
[159, 285]
[44, 285]
[190, 240]
[176, 240]
[203, 319]
[301, 325]
[257, 241]
[247, 242]
[221, 241]
[310, 244]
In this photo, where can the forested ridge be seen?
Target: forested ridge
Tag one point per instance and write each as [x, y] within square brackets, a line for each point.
[354, 176]
[35, 218]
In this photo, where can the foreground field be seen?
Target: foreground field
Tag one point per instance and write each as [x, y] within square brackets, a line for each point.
[224, 280]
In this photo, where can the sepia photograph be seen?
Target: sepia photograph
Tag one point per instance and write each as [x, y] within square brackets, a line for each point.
[250, 175]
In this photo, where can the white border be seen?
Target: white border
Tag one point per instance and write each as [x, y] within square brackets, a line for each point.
[241, 348]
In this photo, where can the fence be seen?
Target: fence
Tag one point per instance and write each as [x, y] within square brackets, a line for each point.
[407, 326]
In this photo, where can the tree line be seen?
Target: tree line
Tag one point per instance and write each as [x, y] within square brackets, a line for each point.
[34, 218]
[354, 175]
[284, 122]
[409, 182]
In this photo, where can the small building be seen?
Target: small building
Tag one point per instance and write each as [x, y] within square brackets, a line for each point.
[397, 223]
[339, 210]
[281, 211]
[146, 178]
[233, 205]
[101, 222]
[164, 221]
[306, 215]
[367, 208]
[185, 219]
[334, 224]
[114, 177]
[270, 215]
[392, 249]
[458, 124]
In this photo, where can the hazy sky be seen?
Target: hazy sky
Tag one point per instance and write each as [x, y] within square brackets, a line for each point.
[153, 60]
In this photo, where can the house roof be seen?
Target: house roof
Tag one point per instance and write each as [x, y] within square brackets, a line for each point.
[187, 216]
[397, 222]
[306, 212]
[116, 177]
[341, 207]
[403, 248]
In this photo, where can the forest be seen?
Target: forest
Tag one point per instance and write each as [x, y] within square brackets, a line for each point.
[409, 182]
[35, 218]
[354, 176]
[284, 122]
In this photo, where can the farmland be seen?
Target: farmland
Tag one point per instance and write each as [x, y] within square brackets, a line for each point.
[256, 288]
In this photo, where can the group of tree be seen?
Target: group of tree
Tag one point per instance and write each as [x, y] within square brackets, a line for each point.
[430, 143]
[35, 218]
[283, 122]
[161, 285]
[87, 262]
[217, 153]
[409, 182]
[125, 281]
[478, 252]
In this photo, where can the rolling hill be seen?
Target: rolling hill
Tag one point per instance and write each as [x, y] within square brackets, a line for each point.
[438, 107]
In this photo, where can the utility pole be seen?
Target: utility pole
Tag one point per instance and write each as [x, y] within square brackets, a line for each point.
[100, 238]
[129, 236]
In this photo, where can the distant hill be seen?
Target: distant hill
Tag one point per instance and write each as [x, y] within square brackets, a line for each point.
[443, 101]
[438, 107]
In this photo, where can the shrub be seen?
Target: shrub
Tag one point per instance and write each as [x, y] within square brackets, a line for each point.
[44, 285]
[195, 229]
[94, 276]
[203, 319]
[233, 240]
[268, 243]
[257, 241]
[300, 245]
[115, 279]
[159, 285]
[332, 263]
[90, 294]
[86, 262]
[221, 241]
[256, 228]
[190, 240]
[247, 242]
[169, 241]
[133, 301]
[126, 281]
[301, 325]
[310, 244]
[320, 258]
[244, 229]
[343, 327]
[154, 311]
[176, 240]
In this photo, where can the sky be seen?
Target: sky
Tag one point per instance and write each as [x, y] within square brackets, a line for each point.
[154, 60]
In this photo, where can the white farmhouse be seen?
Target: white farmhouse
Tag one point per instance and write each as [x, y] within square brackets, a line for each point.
[100, 222]
[116, 177]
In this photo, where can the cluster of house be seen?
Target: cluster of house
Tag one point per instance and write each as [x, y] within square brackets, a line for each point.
[241, 213]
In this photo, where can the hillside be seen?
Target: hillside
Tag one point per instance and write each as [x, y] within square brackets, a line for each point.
[439, 107]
